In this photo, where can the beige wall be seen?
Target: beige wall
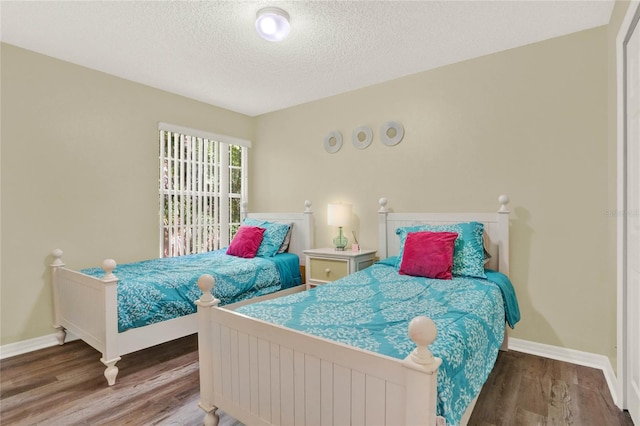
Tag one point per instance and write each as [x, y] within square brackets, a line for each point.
[79, 172]
[529, 122]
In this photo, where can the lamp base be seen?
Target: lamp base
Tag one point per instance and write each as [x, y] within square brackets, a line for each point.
[340, 242]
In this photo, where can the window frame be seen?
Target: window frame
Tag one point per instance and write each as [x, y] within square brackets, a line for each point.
[221, 196]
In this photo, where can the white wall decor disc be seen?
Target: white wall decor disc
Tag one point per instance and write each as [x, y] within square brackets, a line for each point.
[391, 133]
[333, 142]
[362, 137]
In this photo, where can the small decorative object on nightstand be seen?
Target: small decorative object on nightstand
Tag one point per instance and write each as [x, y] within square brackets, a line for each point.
[326, 264]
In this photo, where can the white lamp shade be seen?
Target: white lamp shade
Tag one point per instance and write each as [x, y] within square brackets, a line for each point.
[339, 214]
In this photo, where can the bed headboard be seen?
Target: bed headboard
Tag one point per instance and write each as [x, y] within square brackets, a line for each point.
[496, 229]
[302, 235]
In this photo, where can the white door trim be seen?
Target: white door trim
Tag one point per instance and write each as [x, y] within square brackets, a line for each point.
[621, 397]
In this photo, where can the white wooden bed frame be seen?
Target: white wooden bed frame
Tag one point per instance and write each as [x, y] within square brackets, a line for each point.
[87, 306]
[265, 374]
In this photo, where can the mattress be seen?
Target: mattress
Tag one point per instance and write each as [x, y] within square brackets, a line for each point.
[157, 290]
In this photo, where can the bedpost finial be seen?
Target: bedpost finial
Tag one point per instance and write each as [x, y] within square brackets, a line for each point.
[422, 330]
[108, 266]
[503, 200]
[307, 206]
[244, 205]
[383, 205]
[205, 283]
[57, 257]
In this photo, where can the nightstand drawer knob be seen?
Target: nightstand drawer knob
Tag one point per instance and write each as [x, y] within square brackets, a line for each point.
[328, 271]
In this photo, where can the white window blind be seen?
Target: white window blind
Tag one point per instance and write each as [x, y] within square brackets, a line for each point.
[203, 181]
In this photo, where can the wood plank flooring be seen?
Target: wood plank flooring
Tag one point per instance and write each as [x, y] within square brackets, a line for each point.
[526, 389]
[64, 385]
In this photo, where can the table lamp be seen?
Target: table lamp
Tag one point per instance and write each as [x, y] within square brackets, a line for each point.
[339, 215]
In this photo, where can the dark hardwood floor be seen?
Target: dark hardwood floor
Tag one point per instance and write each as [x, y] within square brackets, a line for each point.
[526, 389]
[64, 385]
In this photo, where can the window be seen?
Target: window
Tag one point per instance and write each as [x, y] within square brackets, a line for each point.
[201, 187]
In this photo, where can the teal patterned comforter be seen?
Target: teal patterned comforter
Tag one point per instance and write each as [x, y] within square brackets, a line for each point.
[371, 310]
[156, 290]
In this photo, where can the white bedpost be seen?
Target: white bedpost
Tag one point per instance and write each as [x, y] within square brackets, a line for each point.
[243, 210]
[61, 333]
[110, 355]
[205, 304]
[383, 250]
[422, 374]
[308, 224]
[503, 223]
[503, 252]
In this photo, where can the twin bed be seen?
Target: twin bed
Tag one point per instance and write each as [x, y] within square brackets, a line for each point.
[122, 312]
[343, 353]
[380, 346]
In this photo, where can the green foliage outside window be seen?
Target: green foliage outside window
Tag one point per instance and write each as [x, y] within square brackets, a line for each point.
[190, 193]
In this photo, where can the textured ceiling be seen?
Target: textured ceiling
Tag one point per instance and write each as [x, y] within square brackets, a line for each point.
[210, 51]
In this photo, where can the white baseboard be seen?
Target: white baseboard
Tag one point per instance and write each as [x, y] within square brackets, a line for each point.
[572, 356]
[25, 346]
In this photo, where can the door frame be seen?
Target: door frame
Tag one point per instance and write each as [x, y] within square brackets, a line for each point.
[632, 12]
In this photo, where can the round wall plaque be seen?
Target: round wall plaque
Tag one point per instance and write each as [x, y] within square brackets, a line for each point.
[362, 137]
[333, 142]
[391, 133]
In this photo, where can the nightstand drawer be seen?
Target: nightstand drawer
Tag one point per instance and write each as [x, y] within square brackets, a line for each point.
[328, 269]
[324, 265]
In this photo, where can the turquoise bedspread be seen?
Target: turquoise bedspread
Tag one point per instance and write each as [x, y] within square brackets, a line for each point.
[371, 310]
[160, 289]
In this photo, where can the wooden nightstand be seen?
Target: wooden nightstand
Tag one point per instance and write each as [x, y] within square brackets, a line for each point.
[327, 264]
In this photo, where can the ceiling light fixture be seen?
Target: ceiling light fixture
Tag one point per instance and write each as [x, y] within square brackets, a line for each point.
[272, 23]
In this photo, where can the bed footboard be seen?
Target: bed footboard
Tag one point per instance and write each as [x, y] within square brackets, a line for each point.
[264, 374]
[87, 307]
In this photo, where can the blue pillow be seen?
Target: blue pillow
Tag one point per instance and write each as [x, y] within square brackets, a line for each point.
[284, 247]
[274, 235]
[468, 252]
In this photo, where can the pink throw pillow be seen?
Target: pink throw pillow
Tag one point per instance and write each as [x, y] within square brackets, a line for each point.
[246, 241]
[428, 254]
